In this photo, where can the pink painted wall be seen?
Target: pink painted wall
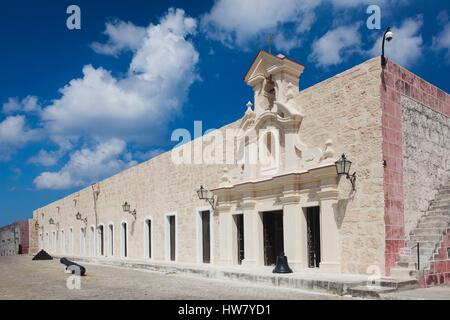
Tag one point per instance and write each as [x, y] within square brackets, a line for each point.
[397, 81]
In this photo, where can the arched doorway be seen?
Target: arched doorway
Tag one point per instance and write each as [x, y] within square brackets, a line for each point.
[123, 240]
[111, 240]
[148, 239]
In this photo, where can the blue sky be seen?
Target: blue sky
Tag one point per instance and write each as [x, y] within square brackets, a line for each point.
[77, 106]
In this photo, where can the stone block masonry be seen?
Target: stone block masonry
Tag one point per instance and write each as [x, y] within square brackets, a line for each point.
[369, 113]
[14, 239]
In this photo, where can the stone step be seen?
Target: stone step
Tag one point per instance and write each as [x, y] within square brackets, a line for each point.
[443, 197]
[439, 203]
[428, 238]
[433, 213]
[423, 252]
[439, 225]
[423, 245]
[427, 231]
[384, 286]
[425, 248]
[411, 262]
[406, 262]
[436, 218]
[369, 291]
[404, 272]
[440, 206]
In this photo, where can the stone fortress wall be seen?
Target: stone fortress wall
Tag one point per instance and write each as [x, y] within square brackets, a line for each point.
[350, 110]
[154, 188]
[344, 109]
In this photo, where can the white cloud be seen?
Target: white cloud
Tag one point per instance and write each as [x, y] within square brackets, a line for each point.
[442, 41]
[121, 36]
[236, 22]
[27, 105]
[336, 45]
[87, 166]
[355, 3]
[138, 106]
[46, 158]
[14, 134]
[407, 45]
[113, 111]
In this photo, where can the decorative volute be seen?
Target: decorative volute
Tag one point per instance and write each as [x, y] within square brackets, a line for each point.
[275, 81]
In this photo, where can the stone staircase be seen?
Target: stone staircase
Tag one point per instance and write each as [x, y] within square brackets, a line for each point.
[428, 233]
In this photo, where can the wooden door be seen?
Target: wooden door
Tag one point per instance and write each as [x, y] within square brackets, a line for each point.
[172, 237]
[206, 236]
[239, 219]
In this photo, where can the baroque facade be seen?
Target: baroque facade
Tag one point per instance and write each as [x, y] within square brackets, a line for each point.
[280, 193]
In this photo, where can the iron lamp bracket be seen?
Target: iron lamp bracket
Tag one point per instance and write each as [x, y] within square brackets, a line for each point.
[352, 179]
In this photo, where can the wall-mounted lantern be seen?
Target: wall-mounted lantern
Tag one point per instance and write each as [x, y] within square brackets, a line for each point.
[343, 168]
[52, 222]
[127, 208]
[78, 217]
[36, 225]
[203, 195]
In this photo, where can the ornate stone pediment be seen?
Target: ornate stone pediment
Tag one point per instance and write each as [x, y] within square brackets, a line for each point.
[275, 81]
[268, 141]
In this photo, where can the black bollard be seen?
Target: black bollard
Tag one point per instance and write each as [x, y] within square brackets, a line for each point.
[282, 265]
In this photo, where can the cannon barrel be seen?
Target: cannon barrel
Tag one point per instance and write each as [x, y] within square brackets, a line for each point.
[74, 267]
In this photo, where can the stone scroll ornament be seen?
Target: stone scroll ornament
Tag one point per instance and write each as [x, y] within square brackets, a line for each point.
[72, 267]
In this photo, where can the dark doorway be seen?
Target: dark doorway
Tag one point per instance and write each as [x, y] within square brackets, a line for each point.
[125, 240]
[149, 238]
[273, 236]
[313, 232]
[239, 220]
[172, 237]
[111, 240]
[206, 236]
[102, 245]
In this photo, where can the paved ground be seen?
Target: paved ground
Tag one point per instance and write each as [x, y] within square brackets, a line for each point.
[22, 278]
[434, 293]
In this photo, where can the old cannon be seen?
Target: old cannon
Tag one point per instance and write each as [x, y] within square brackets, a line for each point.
[73, 267]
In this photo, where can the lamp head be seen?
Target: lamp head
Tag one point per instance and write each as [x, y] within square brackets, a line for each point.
[389, 36]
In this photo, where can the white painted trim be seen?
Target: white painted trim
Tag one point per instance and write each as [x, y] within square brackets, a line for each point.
[111, 246]
[41, 241]
[54, 241]
[124, 245]
[82, 248]
[63, 242]
[145, 242]
[91, 238]
[167, 236]
[199, 237]
[46, 241]
[71, 240]
[309, 204]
